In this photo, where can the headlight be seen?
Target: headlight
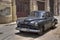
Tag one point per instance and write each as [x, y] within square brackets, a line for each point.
[34, 23]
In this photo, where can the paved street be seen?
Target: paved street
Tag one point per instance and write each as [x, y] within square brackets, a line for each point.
[8, 32]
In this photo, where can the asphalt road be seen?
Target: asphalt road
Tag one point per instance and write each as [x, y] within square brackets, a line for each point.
[8, 32]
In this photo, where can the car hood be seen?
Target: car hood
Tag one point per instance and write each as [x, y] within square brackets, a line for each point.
[32, 19]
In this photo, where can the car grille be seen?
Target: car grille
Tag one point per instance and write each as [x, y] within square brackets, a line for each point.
[26, 21]
[27, 26]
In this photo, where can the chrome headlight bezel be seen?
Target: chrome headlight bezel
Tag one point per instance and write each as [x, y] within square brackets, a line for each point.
[34, 23]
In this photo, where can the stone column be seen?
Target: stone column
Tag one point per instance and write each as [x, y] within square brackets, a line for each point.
[55, 7]
[14, 16]
[6, 13]
[47, 7]
[59, 7]
[33, 5]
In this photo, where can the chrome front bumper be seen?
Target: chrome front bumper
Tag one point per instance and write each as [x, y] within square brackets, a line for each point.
[27, 30]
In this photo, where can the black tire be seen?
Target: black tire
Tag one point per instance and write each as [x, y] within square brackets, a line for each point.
[54, 23]
[53, 26]
[20, 31]
[41, 31]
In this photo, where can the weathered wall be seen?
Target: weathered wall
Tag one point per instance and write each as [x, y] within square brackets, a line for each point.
[34, 6]
[8, 13]
[14, 16]
[5, 14]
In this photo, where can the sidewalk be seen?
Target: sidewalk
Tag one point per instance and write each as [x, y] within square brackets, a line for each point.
[12, 23]
[57, 30]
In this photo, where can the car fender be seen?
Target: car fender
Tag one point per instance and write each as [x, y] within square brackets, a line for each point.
[55, 21]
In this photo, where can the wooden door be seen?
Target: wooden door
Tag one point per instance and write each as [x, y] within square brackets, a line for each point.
[22, 8]
[41, 5]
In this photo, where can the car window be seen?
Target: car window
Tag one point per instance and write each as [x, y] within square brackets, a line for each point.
[48, 14]
[36, 14]
[51, 14]
[44, 15]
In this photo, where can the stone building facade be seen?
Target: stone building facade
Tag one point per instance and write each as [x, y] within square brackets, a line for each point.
[50, 5]
[7, 11]
[22, 6]
[32, 5]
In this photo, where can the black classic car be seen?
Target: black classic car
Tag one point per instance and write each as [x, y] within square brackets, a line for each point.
[38, 22]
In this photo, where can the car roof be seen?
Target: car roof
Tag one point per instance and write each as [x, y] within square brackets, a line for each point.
[40, 11]
[43, 12]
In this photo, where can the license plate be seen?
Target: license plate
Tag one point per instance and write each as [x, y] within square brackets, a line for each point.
[29, 30]
[24, 29]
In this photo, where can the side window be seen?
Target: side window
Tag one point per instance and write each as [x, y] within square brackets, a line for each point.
[44, 15]
[48, 14]
[51, 14]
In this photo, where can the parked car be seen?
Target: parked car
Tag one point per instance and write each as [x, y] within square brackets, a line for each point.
[38, 22]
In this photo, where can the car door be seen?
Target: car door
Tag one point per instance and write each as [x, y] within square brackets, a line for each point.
[51, 18]
[48, 21]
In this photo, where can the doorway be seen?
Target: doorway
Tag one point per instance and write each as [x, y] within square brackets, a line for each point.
[41, 5]
[51, 2]
[22, 8]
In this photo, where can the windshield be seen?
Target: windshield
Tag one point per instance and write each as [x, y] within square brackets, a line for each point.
[36, 14]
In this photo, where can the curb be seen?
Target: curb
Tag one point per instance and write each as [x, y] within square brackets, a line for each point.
[9, 24]
[12, 23]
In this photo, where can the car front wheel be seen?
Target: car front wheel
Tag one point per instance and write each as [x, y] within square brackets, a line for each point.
[20, 31]
[41, 31]
[53, 25]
